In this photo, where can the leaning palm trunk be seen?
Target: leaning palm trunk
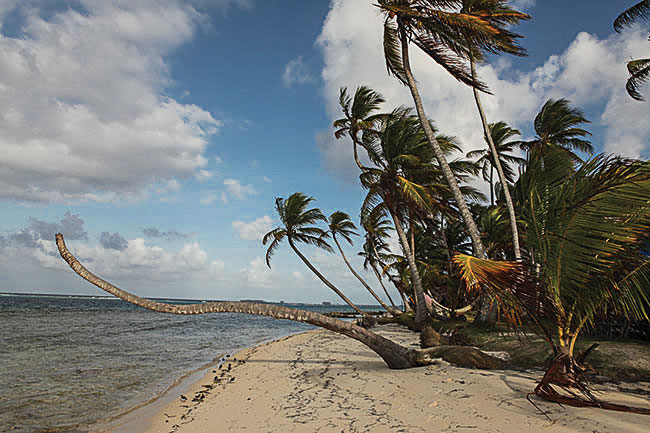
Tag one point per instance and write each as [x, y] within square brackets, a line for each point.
[395, 355]
[362, 281]
[326, 281]
[421, 312]
[399, 286]
[497, 164]
[381, 283]
[472, 229]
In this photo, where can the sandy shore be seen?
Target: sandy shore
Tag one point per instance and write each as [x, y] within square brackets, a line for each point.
[322, 382]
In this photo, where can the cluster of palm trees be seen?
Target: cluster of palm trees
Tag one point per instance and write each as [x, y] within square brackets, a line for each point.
[563, 239]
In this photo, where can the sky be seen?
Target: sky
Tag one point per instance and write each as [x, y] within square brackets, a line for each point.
[156, 134]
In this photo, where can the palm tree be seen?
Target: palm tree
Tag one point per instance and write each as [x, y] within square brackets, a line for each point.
[396, 151]
[340, 224]
[499, 133]
[557, 126]
[448, 36]
[639, 69]
[405, 180]
[587, 227]
[298, 226]
[358, 116]
[375, 248]
[498, 14]
[395, 355]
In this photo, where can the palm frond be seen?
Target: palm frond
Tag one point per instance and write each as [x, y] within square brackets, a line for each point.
[393, 51]
[627, 17]
[277, 235]
[639, 74]
[449, 60]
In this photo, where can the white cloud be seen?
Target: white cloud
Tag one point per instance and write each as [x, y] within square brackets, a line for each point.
[257, 273]
[209, 198]
[238, 190]
[296, 72]
[170, 187]
[85, 114]
[266, 179]
[522, 5]
[590, 73]
[254, 230]
[204, 175]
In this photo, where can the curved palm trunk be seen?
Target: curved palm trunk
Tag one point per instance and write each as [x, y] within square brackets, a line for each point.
[326, 281]
[472, 228]
[491, 186]
[421, 312]
[395, 355]
[497, 164]
[399, 286]
[381, 283]
[361, 280]
[356, 155]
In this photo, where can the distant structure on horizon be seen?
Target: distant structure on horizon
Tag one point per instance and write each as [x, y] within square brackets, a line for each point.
[256, 301]
[327, 303]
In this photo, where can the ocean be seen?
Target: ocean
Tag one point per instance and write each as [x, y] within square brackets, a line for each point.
[69, 362]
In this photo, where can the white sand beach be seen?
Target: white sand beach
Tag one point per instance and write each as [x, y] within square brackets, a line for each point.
[319, 381]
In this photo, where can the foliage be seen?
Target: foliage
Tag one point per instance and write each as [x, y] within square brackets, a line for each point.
[639, 69]
[297, 223]
[585, 229]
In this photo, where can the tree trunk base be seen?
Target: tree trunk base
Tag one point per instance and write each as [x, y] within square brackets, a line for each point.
[570, 375]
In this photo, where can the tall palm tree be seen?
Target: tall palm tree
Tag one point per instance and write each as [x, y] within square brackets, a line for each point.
[498, 14]
[557, 126]
[587, 226]
[298, 226]
[448, 36]
[340, 224]
[638, 69]
[499, 133]
[375, 248]
[395, 152]
[359, 117]
[406, 181]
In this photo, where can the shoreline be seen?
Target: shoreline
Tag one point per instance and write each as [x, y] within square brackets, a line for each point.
[133, 419]
[318, 380]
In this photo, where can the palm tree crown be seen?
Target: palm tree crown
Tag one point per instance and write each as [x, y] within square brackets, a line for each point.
[340, 224]
[358, 114]
[639, 69]
[500, 133]
[297, 223]
[557, 125]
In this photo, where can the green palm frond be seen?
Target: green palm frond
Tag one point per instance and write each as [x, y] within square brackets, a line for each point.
[297, 221]
[275, 237]
[393, 51]
[557, 125]
[316, 241]
[341, 224]
[581, 222]
[450, 60]
[639, 74]
[639, 10]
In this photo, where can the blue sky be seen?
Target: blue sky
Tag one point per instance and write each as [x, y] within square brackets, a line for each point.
[156, 134]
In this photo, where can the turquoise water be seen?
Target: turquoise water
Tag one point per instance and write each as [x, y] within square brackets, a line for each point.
[66, 363]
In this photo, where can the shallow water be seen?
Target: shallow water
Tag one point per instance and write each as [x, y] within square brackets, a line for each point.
[69, 362]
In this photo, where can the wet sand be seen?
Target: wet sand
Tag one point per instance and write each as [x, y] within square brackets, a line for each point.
[319, 381]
